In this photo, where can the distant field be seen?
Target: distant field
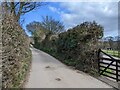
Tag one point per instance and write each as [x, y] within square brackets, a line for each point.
[112, 52]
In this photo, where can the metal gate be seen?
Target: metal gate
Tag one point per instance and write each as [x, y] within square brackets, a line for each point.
[108, 66]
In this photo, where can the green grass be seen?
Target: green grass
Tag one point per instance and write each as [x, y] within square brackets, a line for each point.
[108, 70]
[112, 52]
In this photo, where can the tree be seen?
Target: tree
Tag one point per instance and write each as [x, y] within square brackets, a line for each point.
[43, 31]
[90, 30]
[49, 26]
[37, 31]
[52, 25]
[33, 26]
[20, 8]
[110, 40]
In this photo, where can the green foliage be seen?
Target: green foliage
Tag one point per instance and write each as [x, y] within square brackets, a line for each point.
[43, 31]
[33, 26]
[37, 31]
[79, 40]
[77, 46]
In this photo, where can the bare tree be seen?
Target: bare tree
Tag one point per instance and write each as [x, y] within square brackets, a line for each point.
[52, 25]
[21, 8]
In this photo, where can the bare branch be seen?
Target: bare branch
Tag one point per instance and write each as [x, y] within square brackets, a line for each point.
[16, 4]
[20, 8]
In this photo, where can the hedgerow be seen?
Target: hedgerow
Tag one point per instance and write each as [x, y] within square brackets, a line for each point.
[16, 54]
[77, 46]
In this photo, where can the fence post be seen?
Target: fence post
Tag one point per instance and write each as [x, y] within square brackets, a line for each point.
[119, 85]
[117, 71]
[99, 60]
[118, 74]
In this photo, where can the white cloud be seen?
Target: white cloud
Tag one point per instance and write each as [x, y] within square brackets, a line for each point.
[76, 0]
[52, 8]
[104, 13]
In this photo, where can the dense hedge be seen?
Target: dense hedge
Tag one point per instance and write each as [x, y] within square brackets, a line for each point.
[0, 50]
[77, 47]
[16, 55]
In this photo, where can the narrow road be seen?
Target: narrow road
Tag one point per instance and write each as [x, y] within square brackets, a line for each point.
[47, 72]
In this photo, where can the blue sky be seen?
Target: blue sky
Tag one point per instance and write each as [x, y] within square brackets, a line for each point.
[36, 15]
[74, 13]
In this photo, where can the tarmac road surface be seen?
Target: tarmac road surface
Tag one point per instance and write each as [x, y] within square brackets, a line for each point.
[48, 72]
